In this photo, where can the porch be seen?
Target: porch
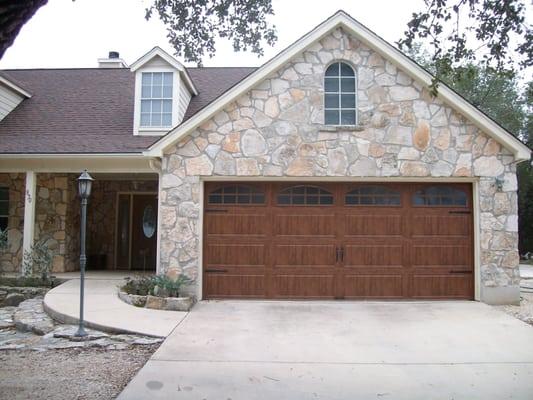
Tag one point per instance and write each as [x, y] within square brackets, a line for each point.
[45, 207]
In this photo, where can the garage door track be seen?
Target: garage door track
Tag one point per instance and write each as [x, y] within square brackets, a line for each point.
[341, 350]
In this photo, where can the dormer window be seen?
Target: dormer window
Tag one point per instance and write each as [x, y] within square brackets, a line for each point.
[156, 99]
[163, 91]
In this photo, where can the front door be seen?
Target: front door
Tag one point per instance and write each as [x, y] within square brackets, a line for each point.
[137, 232]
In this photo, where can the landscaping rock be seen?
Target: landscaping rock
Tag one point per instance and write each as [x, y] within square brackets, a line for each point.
[14, 299]
[6, 317]
[69, 332]
[178, 303]
[30, 317]
[155, 302]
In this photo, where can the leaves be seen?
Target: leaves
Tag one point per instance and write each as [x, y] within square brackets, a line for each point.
[491, 32]
[193, 25]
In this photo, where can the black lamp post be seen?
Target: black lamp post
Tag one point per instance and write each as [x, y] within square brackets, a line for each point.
[85, 183]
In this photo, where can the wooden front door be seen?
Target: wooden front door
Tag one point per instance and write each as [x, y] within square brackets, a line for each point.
[137, 232]
[341, 240]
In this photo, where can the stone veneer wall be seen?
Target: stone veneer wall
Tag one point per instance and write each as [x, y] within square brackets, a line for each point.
[11, 258]
[277, 130]
[57, 218]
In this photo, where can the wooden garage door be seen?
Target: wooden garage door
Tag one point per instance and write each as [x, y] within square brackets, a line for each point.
[342, 240]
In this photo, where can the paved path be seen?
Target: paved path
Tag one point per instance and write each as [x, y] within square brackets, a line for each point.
[104, 310]
[526, 271]
[254, 350]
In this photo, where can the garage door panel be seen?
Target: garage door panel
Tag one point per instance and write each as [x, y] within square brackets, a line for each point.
[361, 255]
[340, 240]
[228, 254]
[435, 255]
[305, 225]
[386, 286]
[373, 225]
[234, 285]
[441, 225]
[254, 224]
[304, 286]
[443, 286]
[304, 255]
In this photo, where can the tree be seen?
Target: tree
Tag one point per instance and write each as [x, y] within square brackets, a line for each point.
[193, 25]
[493, 33]
[509, 102]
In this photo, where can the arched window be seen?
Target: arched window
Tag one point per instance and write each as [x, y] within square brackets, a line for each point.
[236, 194]
[340, 89]
[373, 196]
[439, 196]
[304, 195]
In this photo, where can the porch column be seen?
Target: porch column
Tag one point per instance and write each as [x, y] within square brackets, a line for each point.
[29, 216]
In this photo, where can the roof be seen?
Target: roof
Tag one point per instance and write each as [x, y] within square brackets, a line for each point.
[66, 113]
[342, 20]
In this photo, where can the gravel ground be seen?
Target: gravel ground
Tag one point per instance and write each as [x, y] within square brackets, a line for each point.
[524, 311]
[82, 373]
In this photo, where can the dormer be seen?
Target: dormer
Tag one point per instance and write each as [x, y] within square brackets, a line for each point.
[163, 90]
[11, 95]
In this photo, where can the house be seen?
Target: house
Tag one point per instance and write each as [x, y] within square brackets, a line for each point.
[329, 172]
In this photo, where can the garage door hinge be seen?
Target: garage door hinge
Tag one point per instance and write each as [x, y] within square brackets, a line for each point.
[214, 210]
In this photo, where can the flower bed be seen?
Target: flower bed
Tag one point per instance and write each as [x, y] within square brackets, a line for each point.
[157, 292]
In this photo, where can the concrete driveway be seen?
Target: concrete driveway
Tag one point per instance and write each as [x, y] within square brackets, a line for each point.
[341, 350]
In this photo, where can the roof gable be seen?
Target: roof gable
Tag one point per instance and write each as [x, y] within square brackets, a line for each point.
[370, 39]
[158, 52]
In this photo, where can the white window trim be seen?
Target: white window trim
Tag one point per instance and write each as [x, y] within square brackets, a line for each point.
[138, 130]
[340, 93]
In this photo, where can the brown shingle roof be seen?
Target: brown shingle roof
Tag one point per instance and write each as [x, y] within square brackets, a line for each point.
[91, 110]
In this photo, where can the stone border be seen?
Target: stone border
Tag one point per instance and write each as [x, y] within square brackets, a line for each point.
[157, 303]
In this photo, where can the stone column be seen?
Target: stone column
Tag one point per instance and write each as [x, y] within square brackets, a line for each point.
[29, 217]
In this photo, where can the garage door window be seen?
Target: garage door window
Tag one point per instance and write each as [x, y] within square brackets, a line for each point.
[304, 195]
[435, 196]
[373, 196]
[236, 194]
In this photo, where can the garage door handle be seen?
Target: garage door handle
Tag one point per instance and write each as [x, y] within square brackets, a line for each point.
[460, 272]
[459, 212]
[215, 210]
[219, 271]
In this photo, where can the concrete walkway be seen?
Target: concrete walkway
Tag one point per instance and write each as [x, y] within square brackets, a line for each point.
[253, 350]
[104, 310]
[526, 271]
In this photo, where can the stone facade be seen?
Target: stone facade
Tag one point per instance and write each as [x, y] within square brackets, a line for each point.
[57, 218]
[277, 130]
[11, 258]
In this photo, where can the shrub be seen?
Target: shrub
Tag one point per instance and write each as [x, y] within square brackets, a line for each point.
[3, 239]
[38, 261]
[156, 285]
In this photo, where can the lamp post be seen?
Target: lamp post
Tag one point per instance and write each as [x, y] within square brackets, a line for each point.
[85, 183]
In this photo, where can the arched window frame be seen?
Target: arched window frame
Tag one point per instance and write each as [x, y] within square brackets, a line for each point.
[340, 95]
[373, 196]
[445, 196]
[304, 195]
[236, 194]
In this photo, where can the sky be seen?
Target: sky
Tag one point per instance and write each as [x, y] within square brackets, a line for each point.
[74, 34]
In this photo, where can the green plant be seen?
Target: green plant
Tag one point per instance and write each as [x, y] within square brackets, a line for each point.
[169, 287]
[3, 239]
[156, 285]
[139, 285]
[38, 261]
